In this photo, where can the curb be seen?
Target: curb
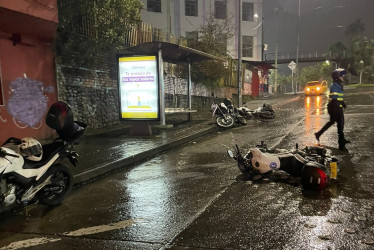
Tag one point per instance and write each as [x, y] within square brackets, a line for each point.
[109, 167]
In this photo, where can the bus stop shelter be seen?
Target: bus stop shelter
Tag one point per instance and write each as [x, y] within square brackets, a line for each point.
[176, 54]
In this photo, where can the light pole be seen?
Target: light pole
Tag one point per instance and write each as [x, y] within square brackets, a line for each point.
[239, 71]
[362, 65]
[297, 49]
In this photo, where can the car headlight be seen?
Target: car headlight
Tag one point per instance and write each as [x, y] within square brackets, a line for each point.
[318, 88]
[307, 89]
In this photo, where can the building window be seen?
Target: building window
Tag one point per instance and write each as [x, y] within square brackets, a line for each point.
[191, 8]
[154, 5]
[247, 49]
[247, 12]
[220, 9]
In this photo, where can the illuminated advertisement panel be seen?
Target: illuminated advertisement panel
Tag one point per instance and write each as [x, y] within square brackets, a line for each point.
[138, 87]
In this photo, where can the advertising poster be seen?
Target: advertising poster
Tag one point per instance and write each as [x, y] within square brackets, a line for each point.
[138, 88]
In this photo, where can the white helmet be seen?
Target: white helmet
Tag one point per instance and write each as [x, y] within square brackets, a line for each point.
[31, 149]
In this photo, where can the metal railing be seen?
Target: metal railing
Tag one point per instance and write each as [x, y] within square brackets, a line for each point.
[144, 33]
[305, 55]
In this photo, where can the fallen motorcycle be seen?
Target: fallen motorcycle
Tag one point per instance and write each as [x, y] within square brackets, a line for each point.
[226, 114]
[31, 172]
[264, 113]
[314, 164]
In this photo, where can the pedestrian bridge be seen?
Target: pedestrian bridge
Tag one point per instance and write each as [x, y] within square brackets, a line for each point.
[304, 57]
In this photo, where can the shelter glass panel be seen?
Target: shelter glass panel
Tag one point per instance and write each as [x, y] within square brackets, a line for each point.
[191, 8]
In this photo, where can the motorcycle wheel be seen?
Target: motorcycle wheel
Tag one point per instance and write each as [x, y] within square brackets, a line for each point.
[248, 116]
[241, 120]
[266, 115]
[61, 185]
[225, 122]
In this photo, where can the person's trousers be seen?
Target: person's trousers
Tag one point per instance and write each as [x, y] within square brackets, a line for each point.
[336, 115]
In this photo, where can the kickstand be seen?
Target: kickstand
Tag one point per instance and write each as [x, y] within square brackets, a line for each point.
[27, 212]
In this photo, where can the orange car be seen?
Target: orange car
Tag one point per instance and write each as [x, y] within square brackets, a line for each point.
[315, 87]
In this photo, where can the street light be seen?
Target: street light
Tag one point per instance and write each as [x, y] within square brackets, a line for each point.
[362, 65]
[256, 18]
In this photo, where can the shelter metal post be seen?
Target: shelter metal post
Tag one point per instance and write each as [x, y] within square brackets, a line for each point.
[189, 90]
[162, 87]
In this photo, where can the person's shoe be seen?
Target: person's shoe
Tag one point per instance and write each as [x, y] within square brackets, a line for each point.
[317, 136]
[343, 148]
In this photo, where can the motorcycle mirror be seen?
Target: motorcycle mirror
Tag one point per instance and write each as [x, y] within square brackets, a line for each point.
[230, 153]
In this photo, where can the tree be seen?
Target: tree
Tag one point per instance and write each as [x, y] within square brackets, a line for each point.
[338, 50]
[355, 29]
[90, 29]
[362, 50]
[212, 39]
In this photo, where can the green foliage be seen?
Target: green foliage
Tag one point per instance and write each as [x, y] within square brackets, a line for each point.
[90, 31]
[318, 72]
[355, 29]
[338, 50]
[212, 39]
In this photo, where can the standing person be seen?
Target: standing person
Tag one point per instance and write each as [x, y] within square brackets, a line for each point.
[335, 108]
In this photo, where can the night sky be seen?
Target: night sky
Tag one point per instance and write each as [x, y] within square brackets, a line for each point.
[322, 22]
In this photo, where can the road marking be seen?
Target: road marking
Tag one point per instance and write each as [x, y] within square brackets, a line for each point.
[80, 232]
[101, 229]
[369, 105]
[29, 243]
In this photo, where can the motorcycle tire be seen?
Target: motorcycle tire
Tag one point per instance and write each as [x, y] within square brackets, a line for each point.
[248, 116]
[61, 185]
[266, 116]
[225, 122]
[241, 120]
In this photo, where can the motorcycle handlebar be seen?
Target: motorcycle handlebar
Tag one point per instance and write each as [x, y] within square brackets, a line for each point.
[4, 153]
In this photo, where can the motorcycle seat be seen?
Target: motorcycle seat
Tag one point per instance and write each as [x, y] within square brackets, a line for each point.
[49, 150]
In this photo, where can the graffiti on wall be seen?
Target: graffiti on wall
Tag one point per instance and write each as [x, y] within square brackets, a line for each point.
[2, 119]
[27, 104]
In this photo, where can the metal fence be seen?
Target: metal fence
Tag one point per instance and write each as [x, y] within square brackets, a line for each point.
[144, 33]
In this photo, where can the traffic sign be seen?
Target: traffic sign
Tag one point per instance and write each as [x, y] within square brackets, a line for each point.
[292, 66]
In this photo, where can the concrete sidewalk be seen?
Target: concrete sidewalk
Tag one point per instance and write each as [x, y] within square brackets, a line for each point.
[105, 150]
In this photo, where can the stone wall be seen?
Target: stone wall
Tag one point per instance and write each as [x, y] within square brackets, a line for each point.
[92, 94]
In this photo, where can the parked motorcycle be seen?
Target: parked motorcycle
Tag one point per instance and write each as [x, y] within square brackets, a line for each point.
[32, 172]
[226, 114]
[263, 113]
[314, 164]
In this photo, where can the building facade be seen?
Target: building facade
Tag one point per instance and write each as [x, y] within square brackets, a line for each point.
[27, 72]
[184, 17]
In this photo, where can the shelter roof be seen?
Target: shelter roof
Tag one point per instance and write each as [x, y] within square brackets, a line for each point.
[259, 64]
[174, 53]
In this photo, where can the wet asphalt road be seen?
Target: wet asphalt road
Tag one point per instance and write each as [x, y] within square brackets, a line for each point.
[195, 196]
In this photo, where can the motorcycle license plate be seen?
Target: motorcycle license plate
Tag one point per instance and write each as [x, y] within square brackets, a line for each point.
[333, 170]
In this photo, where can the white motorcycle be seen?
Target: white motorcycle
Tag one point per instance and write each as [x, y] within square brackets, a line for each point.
[314, 164]
[32, 172]
[264, 113]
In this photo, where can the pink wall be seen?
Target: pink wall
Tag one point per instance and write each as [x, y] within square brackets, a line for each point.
[28, 79]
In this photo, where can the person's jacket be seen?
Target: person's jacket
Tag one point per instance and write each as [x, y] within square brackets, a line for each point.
[336, 95]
